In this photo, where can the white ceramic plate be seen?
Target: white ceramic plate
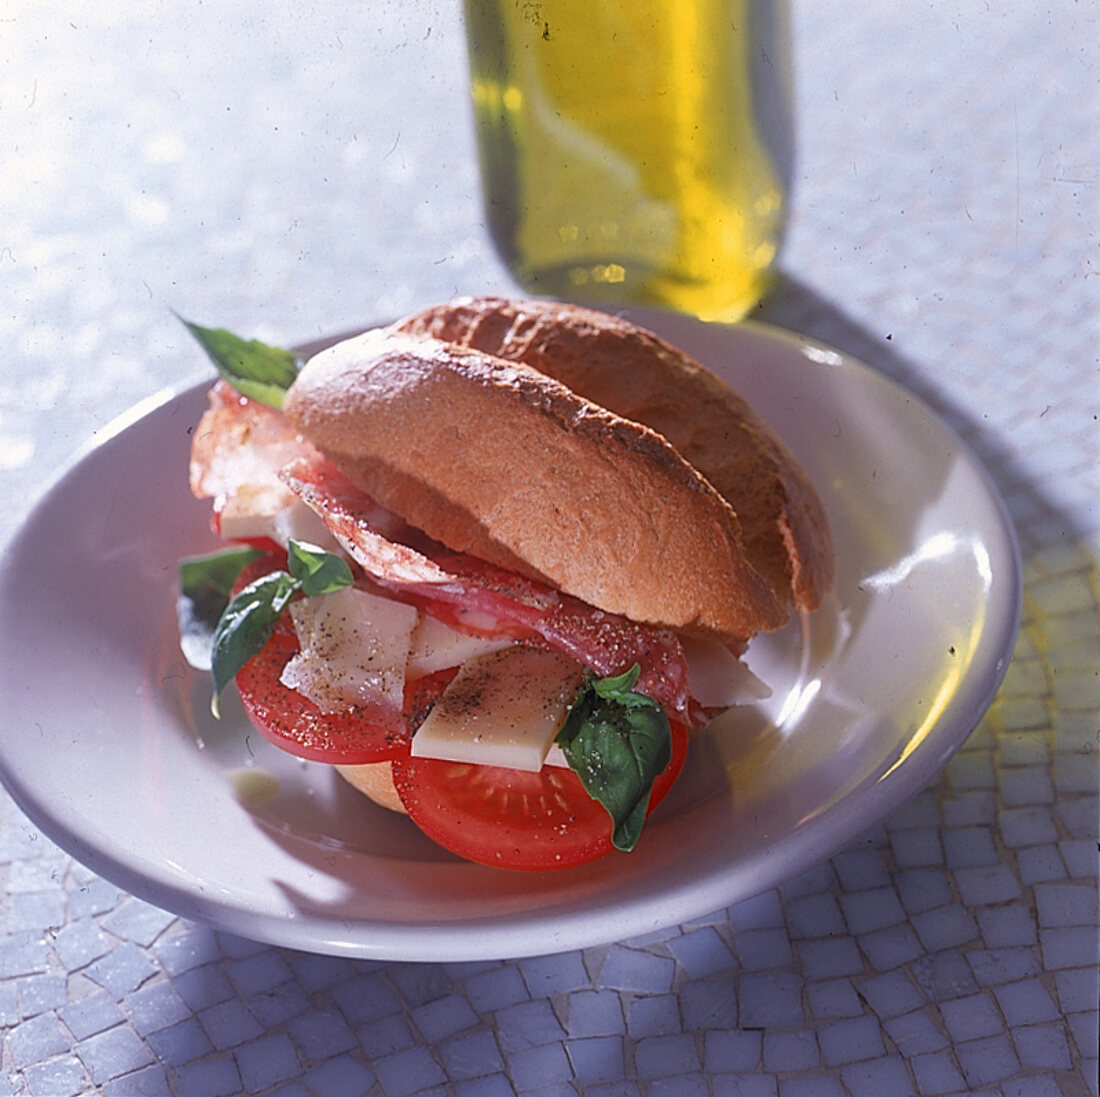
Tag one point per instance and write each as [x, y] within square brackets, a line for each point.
[107, 745]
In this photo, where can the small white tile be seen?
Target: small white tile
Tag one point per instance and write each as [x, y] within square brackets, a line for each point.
[664, 1056]
[762, 911]
[971, 769]
[596, 1060]
[859, 869]
[1083, 1028]
[1026, 1002]
[630, 969]
[1078, 989]
[1079, 815]
[997, 966]
[851, 1040]
[1004, 926]
[988, 884]
[36, 1040]
[60, 1077]
[1033, 1085]
[988, 1060]
[943, 975]
[1026, 786]
[921, 812]
[814, 916]
[1079, 857]
[1024, 748]
[914, 1033]
[814, 1085]
[731, 1050]
[1043, 1047]
[702, 952]
[937, 1074]
[945, 927]
[833, 998]
[1073, 773]
[872, 909]
[829, 957]
[917, 847]
[890, 948]
[763, 949]
[1068, 947]
[1023, 713]
[1062, 905]
[595, 1013]
[790, 1051]
[741, 1085]
[1060, 595]
[770, 999]
[923, 889]
[891, 994]
[877, 1077]
[653, 1015]
[972, 1017]
[708, 1003]
[1027, 826]
[554, 974]
[440, 1018]
[1040, 864]
[969, 808]
[966, 847]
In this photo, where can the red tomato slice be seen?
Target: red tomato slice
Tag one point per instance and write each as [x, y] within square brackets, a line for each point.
[493, 816]
[512, 819]
[294, 723]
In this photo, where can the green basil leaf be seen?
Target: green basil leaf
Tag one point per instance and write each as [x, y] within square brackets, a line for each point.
[254, 369]
[206, 585]
[246, 625]
[319, 572]
[620, 684]
[617, 742]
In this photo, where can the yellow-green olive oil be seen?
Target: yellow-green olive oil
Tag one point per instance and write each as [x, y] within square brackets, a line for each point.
[623, 148]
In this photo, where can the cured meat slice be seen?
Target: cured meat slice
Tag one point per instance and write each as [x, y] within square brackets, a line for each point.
[481, 597]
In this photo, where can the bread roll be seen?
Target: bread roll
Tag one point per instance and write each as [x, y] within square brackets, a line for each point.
[499, 460]
[375, 781]
[638, 376]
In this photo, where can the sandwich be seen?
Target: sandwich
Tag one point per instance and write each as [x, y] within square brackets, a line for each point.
[496, 563]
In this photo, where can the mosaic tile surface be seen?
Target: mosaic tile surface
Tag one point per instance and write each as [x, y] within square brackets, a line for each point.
[210, 159]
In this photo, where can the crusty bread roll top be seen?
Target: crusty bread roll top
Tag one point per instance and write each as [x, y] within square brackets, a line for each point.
[497, 459]
[638, 376]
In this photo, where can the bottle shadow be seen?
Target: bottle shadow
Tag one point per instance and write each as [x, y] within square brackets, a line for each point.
[796, 307]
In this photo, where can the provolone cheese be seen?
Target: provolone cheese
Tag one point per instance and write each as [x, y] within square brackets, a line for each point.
[354, 647]
[717, 678]
[436, 646]
[248, 515]
[501, 709]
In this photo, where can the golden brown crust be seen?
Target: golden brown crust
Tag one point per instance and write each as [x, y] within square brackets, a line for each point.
[638, 376]
[497, 459]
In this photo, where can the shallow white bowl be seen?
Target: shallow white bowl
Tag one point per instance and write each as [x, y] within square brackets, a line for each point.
[107, 745]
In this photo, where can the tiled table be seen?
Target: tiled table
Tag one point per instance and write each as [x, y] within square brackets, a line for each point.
[293, 170]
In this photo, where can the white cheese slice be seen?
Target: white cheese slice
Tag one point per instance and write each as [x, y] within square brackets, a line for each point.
[354, 646]
[248, 515]
[436, 646]
[717, 678]
[501, 709]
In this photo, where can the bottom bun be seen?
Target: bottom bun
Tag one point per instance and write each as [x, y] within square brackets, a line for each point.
[375, 781]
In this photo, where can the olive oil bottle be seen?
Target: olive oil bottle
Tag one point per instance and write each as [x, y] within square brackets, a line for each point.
[634, 151]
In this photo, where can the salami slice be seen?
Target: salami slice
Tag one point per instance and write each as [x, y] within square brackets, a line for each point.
[481, 597]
